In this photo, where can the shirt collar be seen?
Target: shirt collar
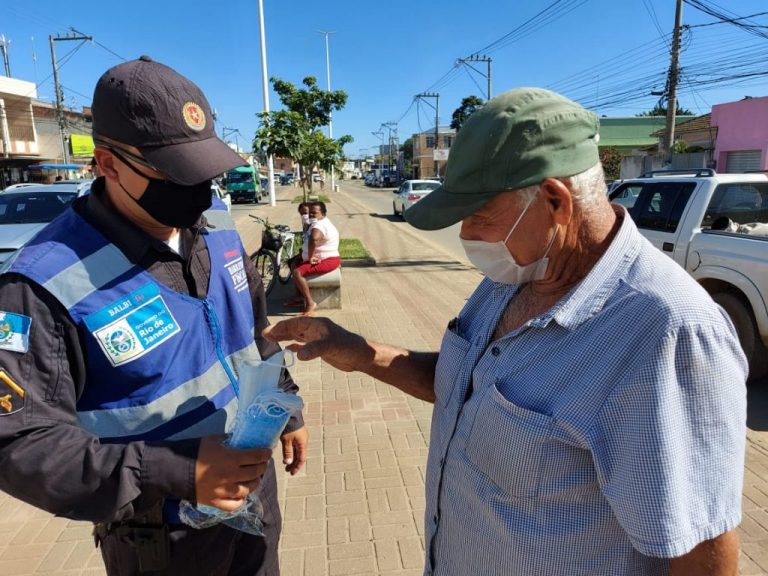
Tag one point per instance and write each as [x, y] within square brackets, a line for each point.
[591, 294]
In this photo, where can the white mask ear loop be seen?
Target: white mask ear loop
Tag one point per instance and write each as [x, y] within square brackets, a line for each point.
[518, 219]
[289, 359]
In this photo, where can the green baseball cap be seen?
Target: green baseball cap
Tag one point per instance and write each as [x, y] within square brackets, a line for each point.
[517, 139]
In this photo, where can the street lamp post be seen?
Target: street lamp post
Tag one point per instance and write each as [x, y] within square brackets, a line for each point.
[330, 115]
[265, 95]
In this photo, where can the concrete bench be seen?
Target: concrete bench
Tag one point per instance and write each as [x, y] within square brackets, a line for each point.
[326, 289]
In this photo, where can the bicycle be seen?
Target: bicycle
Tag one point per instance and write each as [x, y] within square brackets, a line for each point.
[278, 246]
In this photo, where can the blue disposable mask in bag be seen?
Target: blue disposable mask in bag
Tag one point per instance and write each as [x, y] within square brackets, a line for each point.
[262, 414]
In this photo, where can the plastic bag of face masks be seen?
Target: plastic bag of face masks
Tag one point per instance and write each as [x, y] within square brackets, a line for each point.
[264, 410]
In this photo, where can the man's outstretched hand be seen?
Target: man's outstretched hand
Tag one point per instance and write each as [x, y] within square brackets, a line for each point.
[322, 338]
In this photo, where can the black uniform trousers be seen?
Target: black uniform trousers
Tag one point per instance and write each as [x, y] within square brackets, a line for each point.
[215, 551]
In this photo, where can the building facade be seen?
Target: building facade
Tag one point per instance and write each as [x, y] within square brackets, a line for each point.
[430, 153]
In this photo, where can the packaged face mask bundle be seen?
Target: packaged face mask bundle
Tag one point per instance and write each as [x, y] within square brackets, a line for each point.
[263, 412]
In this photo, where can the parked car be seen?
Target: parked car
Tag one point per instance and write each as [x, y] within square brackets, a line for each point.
[18, 186]
[217, 192]
[716, 227]
[25, 211]
[410, 192]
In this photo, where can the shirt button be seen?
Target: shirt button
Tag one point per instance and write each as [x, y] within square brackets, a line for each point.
[495, 351]
[435, 518]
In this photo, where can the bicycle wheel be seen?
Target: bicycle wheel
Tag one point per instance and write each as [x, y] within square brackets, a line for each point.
[284, 268]
[266, 266]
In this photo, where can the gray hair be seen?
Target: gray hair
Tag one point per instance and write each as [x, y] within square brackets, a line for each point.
[587, 188]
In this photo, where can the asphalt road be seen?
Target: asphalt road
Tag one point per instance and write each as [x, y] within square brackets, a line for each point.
[379, 200]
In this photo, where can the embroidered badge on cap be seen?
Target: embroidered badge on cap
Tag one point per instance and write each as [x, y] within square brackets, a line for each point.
[14, 332]
[194, 116]
[11, 395]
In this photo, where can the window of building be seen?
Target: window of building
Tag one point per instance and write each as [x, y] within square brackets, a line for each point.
[447, 141]
[430, 141]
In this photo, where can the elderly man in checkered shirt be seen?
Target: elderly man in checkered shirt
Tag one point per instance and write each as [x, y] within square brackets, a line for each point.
[590, 405]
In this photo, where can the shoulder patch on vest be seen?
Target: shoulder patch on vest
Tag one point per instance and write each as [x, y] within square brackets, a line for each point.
[11, 395]
[14, 331]
[131, 326]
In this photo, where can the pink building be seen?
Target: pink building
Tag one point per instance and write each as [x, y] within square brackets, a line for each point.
[742, 135]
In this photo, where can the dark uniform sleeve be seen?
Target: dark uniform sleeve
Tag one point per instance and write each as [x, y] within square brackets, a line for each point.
[46, 458]
[267, 348]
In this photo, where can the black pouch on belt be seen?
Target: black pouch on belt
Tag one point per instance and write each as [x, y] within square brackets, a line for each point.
[147, 534]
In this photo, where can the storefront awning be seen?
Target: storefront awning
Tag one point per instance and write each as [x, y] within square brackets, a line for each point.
[56, 166]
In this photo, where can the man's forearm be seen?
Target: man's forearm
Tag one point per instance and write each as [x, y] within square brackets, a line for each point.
[716, 557]
[411, 372]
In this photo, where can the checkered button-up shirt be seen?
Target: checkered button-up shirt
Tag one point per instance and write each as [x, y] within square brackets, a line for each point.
[602, 437]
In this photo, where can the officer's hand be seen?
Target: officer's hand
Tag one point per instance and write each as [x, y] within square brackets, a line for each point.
[320, 337]
[295, 449]
[225, 476]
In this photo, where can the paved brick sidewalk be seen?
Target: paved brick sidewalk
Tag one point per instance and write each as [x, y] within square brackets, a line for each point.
[357, 507]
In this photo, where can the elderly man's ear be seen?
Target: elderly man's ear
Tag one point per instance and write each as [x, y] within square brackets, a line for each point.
[559, 200]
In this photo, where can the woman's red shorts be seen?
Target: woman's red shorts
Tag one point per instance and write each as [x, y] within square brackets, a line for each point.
[326, 265]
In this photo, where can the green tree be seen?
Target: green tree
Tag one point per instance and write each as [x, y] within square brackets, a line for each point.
[468, 106]
[660, 110]
[295, 132]
[611, 161]
[407, 149]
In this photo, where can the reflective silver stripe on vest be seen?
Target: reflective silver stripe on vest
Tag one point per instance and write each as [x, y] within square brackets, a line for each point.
[82, 278]
[220, 219]
[211, 425]
[136, 420]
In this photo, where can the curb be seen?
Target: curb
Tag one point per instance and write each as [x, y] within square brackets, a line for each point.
[358, 263]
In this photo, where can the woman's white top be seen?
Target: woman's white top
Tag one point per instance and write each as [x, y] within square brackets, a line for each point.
[328, 246]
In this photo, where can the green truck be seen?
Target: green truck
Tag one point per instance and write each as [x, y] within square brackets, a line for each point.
[243, 184]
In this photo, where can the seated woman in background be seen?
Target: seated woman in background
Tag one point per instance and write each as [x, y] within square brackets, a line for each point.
[319, 254]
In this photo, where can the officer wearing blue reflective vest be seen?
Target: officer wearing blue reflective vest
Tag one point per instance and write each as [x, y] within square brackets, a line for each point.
[123, 325]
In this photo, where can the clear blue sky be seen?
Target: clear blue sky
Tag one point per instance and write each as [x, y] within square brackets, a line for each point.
[607, 54]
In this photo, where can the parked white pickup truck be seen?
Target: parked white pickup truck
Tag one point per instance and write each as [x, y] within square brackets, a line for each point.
[716, 227]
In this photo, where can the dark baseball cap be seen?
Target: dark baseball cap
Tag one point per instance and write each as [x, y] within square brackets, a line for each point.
[518, 139]
[148, 105]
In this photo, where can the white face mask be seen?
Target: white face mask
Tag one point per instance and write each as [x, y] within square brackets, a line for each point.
[304, 219]
[494, 260]
[311, 221]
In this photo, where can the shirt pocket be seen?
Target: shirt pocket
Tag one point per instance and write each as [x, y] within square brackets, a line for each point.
[507, 442]
[450, 364]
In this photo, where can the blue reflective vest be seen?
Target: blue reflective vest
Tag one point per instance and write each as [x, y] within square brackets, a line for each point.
[161, 364]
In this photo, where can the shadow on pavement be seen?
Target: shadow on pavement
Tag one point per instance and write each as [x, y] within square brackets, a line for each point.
[390, 217]
[757, 406]
[441, 264]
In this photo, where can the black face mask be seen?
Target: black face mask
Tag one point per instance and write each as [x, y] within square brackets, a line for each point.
[169, 203]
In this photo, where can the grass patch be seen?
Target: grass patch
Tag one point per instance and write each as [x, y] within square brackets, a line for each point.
[352, 249]
[321, 197]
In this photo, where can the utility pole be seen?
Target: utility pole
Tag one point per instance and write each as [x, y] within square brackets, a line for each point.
[265, 95]
[330, 114]
[674, 70]
[57, 89]
[226, 132]
[379, 134]
[388, 126]
[4, 47]
[487, 60]
[436, 96]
